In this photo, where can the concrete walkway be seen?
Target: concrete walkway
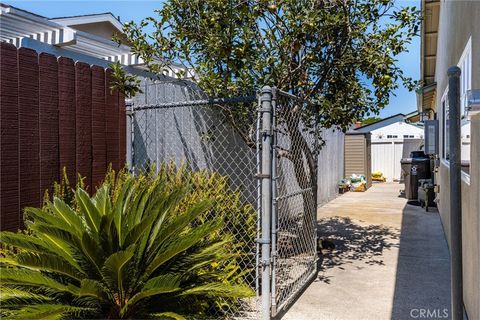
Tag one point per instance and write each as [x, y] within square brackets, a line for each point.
[391, 262]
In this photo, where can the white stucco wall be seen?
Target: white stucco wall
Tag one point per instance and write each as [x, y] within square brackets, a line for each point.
[399, 129]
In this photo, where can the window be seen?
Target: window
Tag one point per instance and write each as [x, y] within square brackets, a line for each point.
[389, 136]
[465, 64]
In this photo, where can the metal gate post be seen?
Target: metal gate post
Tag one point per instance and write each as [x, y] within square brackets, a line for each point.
[455, 192]
[259, 196]
[266, 178]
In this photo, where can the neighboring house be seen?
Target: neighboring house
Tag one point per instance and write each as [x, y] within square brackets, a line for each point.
[451, 37]
[392, 139]
[86, 38]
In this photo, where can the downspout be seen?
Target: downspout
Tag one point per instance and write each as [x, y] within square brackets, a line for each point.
[455, 193]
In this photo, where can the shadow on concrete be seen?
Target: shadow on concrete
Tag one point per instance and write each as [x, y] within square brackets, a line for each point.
[353, 243]
[422, 284]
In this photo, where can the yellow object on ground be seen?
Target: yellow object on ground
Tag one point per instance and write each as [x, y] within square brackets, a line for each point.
[378, 176]
[360, 188]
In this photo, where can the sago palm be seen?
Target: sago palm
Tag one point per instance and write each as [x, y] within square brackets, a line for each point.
[134, 250]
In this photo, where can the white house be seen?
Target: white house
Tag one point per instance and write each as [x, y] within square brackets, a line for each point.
[86, 38]
[392, 139]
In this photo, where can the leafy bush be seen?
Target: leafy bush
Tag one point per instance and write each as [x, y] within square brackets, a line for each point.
[155, 246]
[240, 219]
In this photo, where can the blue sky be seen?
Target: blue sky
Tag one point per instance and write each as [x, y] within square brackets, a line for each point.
[403, 102]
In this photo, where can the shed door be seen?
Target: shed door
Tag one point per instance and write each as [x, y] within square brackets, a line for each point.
[382, 159]
[398, 154]
[386, 157]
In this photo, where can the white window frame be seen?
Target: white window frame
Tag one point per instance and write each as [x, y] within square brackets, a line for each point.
[465, 64]
[444, 125]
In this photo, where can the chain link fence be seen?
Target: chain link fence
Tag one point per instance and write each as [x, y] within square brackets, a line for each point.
[175, 123]
[268, 153]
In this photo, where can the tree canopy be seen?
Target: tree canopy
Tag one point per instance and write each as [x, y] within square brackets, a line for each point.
[339, 54]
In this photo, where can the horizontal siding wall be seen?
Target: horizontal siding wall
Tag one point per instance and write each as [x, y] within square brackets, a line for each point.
[355, 155]
[470, 220]
[53, 115]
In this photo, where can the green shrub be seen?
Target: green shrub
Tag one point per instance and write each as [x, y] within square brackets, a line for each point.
[155, 246]
[240, 219]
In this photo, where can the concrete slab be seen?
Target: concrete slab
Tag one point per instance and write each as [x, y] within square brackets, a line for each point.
[391, 261]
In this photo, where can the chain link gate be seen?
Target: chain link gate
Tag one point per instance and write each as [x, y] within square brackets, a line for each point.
[273, 176]
[290, 133]
[295, 207]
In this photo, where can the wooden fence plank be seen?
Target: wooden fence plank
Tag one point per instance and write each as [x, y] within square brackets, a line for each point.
[99, 151]
[66, 117]
[9, 201]
[28, 112]
[112, 120]
[83, 95]
[48, 118]
[122, 129]
[54, 113]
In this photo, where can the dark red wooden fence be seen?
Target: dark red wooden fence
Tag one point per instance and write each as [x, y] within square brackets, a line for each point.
[54, 114]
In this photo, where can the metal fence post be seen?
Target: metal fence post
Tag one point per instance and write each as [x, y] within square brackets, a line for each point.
[274, 206]
[266, 176]
[455, 192]
[129, 115]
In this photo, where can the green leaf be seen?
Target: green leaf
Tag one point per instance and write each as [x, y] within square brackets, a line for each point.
[61, 242]
[94, 288]
[102, 200]
[68, 215]
[167, 315]
[114, 267]
[49, 312]
[92, 250]
[29, 277]
[182, 243]
[49, 262]
[166, 283]
[24, 241]
[88, 209]
[179, 223]
[118, 209]
[45, 217]
[220, 290]
[139, 230]
[17, 297]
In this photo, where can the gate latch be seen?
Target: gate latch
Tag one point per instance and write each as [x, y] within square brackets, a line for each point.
[263, 241]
